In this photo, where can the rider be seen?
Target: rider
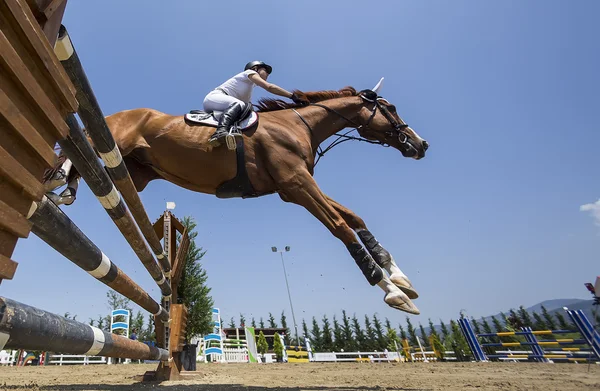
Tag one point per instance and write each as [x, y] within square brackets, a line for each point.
[232, 96]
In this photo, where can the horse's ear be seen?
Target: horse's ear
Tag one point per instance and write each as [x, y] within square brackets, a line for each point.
[378, 86]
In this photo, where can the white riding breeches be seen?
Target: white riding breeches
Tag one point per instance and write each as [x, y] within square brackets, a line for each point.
[219, 101]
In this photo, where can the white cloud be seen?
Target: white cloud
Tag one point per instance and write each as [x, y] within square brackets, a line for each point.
[594, 210]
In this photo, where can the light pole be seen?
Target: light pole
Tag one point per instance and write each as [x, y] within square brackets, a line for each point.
[287, 248]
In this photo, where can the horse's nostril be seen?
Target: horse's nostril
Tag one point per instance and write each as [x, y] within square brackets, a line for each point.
[425, 145]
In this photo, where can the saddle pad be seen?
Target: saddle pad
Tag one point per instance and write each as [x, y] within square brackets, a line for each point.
[209, 120]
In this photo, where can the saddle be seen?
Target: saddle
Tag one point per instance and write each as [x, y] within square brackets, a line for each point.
[200, 117]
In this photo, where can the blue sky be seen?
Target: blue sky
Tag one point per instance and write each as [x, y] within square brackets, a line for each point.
[500, 213]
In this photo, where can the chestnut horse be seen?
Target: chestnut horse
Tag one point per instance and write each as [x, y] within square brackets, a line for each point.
[277, 155]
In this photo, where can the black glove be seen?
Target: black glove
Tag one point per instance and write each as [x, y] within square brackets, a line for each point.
[299, 98]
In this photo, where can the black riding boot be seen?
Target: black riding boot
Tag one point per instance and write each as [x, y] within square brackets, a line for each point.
[228, 118]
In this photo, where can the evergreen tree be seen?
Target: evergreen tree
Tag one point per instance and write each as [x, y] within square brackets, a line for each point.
[272, 323]
[359, 334]
[445, 332]
[550, 323]
[514, 321]
[458, 341]
[261, 323]
[327, 345]
[411, 333]
[497, 325]
[193, 290]
[539, 323]
[486, 326]
[476, 326]
[305, 330]
[402, 332]
[253, 322]
[338, 336]
[371, 341]
[242, 321]
[232, 323]
[349, 342]
[562, 322]
[288, 333]
[394, 343]
[432, 331]
[380, 334]
[137, 323]
[316, 336]
[147, 334]
[101, 323]
[278, 347]
[262, 346]
[424, 339]
[525, 317]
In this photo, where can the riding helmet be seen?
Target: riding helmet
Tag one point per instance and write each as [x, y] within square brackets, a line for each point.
[251, 64]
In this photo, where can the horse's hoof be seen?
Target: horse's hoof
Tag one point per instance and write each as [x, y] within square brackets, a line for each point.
[400, 301]
[68, 200]
[405, 285]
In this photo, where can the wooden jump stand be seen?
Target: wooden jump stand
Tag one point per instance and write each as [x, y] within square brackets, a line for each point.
[168, 226]
[36, 96]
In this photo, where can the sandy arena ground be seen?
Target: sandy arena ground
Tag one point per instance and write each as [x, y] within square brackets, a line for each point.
[314, 376]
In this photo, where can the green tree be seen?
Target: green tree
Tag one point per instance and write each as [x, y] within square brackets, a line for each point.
[548, 318]
[497, 325]
[327, 345]
[381, 342]
[424, 338]
[539, 323]
[359, 334]
[284, 325]
[525, 317]
[438, 347]
[402, 332]
[371, 341]
[562, 322]
[349, 342]
[458, 341]
[305, 330]
[394, 343]
[486, 326]
[272, 323]
[193, 290]
[338, 336]
[278, 347]
[476, 325]
[261, 345]
[242, 321]
[412, 335]
[316, 336]
[253, 322]
[137, 323]
[432, 331]
[147, 333]
[445, 332]
[232, 323]
[261, 323]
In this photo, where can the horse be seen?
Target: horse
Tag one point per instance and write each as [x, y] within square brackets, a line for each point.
[277, 154]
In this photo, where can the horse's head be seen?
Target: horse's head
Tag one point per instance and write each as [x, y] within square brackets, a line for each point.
[381, 122]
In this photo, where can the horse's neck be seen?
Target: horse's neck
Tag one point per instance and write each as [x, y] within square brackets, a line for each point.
[325, 123]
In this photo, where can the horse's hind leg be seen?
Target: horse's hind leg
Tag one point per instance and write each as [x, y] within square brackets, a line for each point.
[379, 254]
[303, 190]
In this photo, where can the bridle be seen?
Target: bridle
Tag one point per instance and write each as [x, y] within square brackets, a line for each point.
[398, 127]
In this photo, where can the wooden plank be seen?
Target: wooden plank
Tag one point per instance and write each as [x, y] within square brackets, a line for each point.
[8, 267]
[177, 223]
[24, 129]
[159, 226]
[53, 7]
[11, 60]
[59, 79]
[179, 263]
[19, 176]
[178, 326]
[13, 222]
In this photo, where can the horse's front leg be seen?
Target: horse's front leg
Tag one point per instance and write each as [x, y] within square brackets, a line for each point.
[379, 254]
[301, 189]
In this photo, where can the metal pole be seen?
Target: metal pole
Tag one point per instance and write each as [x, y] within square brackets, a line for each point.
[290, 297]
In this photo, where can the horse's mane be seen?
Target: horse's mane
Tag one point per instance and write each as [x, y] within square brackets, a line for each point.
[270, 104]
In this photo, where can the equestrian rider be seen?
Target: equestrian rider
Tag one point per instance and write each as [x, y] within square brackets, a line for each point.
[232, 96]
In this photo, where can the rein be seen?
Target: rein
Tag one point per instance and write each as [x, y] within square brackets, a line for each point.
[342, 137]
